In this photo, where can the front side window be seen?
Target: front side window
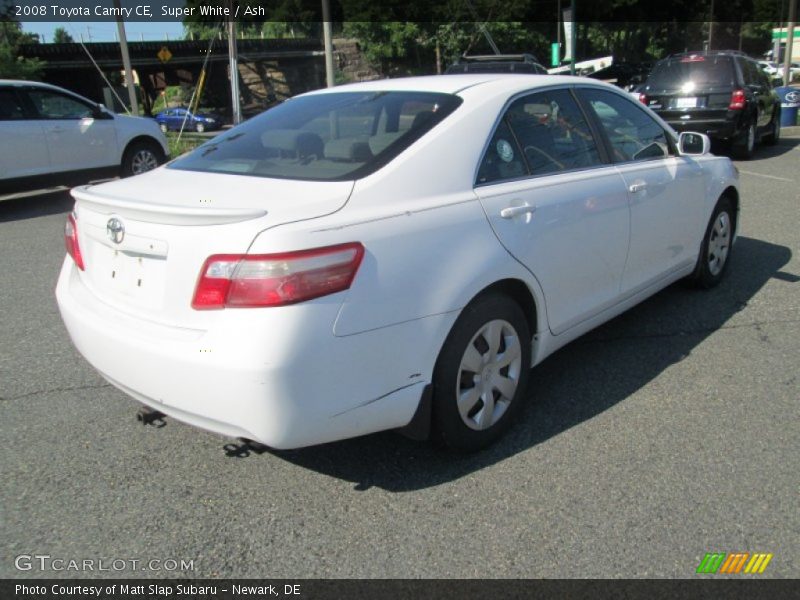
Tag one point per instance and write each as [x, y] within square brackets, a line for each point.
[325, 137]
[52, 105]
[539, 134]
[633, 134]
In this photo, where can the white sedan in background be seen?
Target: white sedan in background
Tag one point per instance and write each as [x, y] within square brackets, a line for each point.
[388, 255]
[51, 136]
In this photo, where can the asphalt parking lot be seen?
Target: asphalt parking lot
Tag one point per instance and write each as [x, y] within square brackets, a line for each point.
[667, 433]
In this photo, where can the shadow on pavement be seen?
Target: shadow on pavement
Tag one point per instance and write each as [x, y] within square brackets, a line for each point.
[580, 381]
[36, 206]
[761, 152]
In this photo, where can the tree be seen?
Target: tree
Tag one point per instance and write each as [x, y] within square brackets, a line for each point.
[12, 65]
[60, 36]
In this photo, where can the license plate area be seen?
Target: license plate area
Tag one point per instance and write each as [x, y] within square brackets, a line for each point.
[687, 102]
[129, 277]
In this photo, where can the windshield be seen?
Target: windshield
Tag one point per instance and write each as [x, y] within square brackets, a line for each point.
[704, 71]
[324, 137]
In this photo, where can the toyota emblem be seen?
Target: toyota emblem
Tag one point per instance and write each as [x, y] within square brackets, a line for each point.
[115, 230]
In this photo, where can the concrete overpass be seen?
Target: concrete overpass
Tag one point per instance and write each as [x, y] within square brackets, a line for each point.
[276, 68]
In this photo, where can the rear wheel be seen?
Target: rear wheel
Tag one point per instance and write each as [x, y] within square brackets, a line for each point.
[163, 127]
[481, 376]
[743, 149]
[715, 252]
[141, 157]
[774, 129]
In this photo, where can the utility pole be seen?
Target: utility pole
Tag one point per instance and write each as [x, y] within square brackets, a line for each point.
[711, 26]
[327, 34]
[787, 59]
[126, 62]
[776, 43]
[574, 38]
[233, 62]
[558, 31]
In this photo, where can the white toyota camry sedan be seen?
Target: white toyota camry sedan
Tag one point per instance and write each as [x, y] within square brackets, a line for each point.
[388, 255]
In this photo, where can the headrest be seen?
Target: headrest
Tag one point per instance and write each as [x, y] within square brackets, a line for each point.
[350, 149]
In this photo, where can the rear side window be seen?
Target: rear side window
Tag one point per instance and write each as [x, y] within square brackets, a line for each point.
[325, 137]
[539, 134]
[10, 106]
[707, 72]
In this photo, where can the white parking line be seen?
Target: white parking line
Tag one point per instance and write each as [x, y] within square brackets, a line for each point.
[767, 176]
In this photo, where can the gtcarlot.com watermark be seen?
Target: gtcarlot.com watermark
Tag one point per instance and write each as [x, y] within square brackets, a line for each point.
[45, 562]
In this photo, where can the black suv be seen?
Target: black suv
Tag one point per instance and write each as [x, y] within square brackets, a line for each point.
[723, 94]
[497, 63]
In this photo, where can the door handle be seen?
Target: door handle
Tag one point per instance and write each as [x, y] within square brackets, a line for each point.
[510, 212]
[637, 187]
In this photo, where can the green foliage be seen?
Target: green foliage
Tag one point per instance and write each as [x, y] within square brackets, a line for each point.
[12, 65]
[395, 47]
[61, 36]
[400, 38]
[274, 19]
[186, 143]
[173, 95]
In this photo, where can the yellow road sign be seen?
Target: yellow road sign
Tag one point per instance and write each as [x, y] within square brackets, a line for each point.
[164, 54]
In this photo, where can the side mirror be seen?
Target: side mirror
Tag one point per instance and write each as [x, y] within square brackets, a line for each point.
[693, 144]
[101, 112]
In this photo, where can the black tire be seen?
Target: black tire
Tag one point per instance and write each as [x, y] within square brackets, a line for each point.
[141, 157]
[744, 147]
[450, 428]
[709, 272]
[774, 134]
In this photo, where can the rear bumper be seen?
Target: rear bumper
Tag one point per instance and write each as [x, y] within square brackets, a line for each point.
[720, 129]
[277, 376]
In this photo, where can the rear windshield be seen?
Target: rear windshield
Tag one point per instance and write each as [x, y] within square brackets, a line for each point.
[325, 137]
[704, 71]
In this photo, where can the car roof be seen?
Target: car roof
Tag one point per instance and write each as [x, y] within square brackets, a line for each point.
[20, 82]
[455, 84]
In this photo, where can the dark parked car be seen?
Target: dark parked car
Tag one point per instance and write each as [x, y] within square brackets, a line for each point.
[724, 94]
[172, 119]
[497, 63]
[624, 75]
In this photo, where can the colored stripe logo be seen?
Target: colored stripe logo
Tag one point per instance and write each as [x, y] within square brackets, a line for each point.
[734, 563]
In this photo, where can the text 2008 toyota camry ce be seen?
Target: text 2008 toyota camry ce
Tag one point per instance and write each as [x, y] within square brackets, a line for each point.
[391, 254]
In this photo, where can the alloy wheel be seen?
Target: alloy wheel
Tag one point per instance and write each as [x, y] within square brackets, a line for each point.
[144, 160]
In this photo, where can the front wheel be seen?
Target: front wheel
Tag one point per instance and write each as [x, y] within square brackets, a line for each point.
[481, 375]
[141, 157]
[715, 252]
[199, 128]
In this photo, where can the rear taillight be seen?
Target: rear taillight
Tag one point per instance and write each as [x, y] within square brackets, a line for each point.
[643, 99]
[71, 241]
[738, 100]
[242, 280]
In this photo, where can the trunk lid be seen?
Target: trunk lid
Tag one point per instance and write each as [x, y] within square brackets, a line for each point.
[144, 239]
